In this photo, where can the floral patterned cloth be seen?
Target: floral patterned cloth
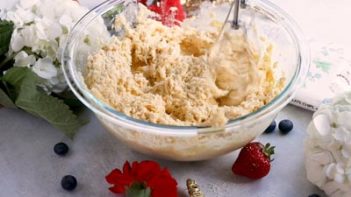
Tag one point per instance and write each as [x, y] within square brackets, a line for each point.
[329, 75]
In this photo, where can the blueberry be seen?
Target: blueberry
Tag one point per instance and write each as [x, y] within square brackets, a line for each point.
[285, 126]
[271, 127]
[69, 182]
[314, 195]
[61, 148]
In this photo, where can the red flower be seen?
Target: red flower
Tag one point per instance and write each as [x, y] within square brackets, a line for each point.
[167, 15]
[147, 173]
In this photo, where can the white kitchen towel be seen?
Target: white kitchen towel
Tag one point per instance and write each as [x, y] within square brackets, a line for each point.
[329, 74]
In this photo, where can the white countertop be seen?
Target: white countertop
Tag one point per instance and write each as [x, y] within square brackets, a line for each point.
[29, 167]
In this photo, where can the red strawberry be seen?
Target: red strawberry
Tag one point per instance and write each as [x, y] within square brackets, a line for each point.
[254, 160]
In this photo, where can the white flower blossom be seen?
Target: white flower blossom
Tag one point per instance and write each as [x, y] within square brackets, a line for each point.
[25, 15]
[28, 4]
[51, 28]
[45, 69]
[42, 26]
[17, 41]
[22, 59]
[14, 17]
[328, 147]
[67, 22]
[29, 36]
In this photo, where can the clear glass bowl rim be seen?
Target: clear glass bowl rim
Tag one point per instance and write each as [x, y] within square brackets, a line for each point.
[103, 110]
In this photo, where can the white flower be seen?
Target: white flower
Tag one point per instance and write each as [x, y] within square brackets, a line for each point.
[27, 4]
[328, 147]
[29, 35]
[40, 30]
[46, 48]
[67, 22]
[17, 41]
[42, 26]
[14, 17]
[58, 83]
[26, 15]
[51, 28]
[44, 68]
[20, 16]
[22, 59]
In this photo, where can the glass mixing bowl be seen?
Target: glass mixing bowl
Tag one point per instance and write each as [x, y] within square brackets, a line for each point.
[190, 143]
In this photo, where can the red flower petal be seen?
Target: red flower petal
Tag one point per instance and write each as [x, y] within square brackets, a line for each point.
[162, 184]
[117, 178]
[134, 170]
[147, 169]
[124, 180]
[127, 168]
[162, 192]
[117, 189]
[113, 176]
[158, 180]
[155, 9]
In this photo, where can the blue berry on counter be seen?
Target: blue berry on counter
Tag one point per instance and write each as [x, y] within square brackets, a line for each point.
[271, 127]
[69, 182]
[314, 195]
[285, 126]
[61, 148]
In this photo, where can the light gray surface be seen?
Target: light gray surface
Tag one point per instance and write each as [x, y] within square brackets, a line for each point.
[29, 167]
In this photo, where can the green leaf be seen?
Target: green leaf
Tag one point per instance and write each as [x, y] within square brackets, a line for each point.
[8, 89]
[37, 102]
[6, 29]
[6, 62]
[5, 100]
[71, 100]
[15, 76]
[138, 190]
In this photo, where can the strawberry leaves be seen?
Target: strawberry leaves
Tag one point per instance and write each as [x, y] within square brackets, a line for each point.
[268, 150]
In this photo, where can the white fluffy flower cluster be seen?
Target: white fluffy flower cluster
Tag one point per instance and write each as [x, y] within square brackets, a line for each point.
[328, 147]
[41, 28]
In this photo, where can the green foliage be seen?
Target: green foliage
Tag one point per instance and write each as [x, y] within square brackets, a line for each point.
[37, 102]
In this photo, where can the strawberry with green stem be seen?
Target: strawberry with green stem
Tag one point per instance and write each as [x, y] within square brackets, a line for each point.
[254, 160]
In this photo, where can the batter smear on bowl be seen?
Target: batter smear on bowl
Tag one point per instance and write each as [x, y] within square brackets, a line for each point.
[168, 75]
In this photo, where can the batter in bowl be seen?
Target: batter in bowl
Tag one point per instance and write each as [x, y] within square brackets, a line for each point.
[170, 75]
